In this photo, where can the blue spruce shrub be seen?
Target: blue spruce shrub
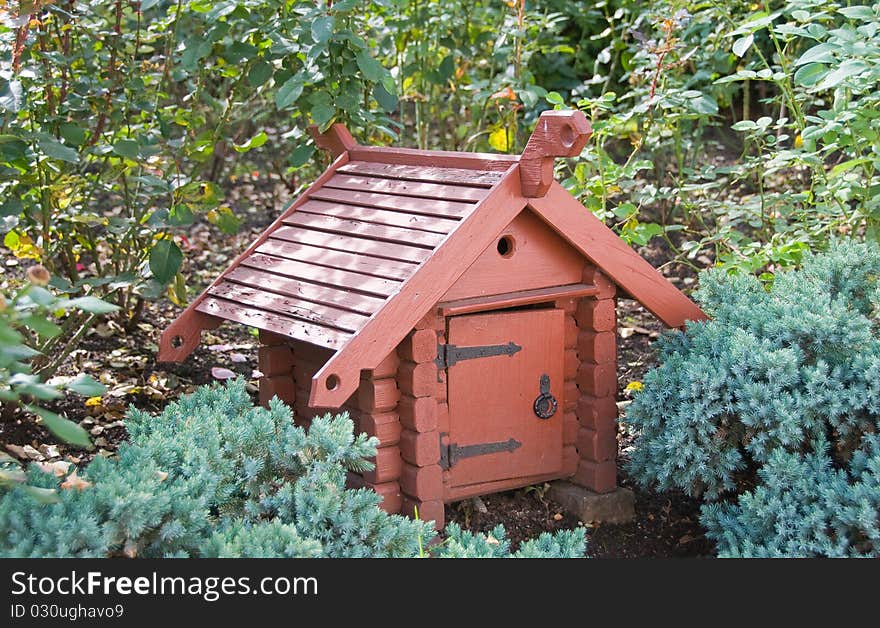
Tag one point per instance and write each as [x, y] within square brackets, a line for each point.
[768, 411]
[214, 476]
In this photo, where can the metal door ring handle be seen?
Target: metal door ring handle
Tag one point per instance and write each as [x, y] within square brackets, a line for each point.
[545, 405]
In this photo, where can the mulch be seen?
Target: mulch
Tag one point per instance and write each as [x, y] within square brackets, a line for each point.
[666, 524]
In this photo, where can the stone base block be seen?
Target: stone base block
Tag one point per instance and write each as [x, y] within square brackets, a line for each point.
[617, 506]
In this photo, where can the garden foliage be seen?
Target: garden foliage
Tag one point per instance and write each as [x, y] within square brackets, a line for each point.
[215, 476]
[770, 411]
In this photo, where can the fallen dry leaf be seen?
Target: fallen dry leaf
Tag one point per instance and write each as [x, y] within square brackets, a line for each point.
[162, 475]
[50, 451]
[73, 481]
[32, 453]
[218, 372]
[17, 450]
[130, 549]
[557, 517]
[59, 469]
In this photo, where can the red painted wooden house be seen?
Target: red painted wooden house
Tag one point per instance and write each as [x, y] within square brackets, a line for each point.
[460, 306]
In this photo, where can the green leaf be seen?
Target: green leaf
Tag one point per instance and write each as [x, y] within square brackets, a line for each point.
[165, 260]
[555, 99]
[701, 103]
[223, 217]
[840, 74]
[42, 495]
[255, 142]
[818, 54]
[322, 113]
[344, 6]
[73, 134]
[848, 165]
[92, 305]
[41, 325]
[289, 92]
[741, 45]
[322, 29]
[11, 95]
[857, 13]
[260, 72]
[810, 74]
[744, 125]
[56, 150]
[371, 69]
[126, 148]
[87, 386]
[9, 477]
[12, 148]
[301, 155]
[386, 100]
[62, 428]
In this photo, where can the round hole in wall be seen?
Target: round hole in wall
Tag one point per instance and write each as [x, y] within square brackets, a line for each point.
[332, 382]
[177, 342]
[506, 246]
[567, 136]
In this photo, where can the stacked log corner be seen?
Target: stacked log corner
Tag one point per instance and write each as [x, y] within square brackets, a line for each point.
[422, 402]
[275, 361]
[570, 393]
[288, 368]
[596, 379]
[377, 415]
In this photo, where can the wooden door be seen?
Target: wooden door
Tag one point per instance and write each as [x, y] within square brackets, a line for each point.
[492, 399]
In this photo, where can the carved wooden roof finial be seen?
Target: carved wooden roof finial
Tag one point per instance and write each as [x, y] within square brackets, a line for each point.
[557, 134]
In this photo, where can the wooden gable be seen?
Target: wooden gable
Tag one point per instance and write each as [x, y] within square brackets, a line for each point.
[526, 255]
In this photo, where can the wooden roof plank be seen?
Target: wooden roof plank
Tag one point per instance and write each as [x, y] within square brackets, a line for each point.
[381, 216]
[614, 257]
[336, 297]
[426, 173]
[418, 294]
[407, 188]
[284, 325]
[183, 325]
[353, 243]
[323, 275]
[442, 158]
[292, 307]
[366, 229]
[342, 260]
[415, 205]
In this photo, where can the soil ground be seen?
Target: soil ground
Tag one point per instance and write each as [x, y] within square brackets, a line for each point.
[666, 524]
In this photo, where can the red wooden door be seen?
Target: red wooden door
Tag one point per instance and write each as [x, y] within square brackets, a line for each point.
[491, 399]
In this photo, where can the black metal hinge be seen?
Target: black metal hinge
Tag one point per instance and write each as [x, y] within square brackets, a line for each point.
[452, 453]
[448, 355]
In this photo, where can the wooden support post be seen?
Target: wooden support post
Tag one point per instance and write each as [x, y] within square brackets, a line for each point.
[421, 479]
[596, 377]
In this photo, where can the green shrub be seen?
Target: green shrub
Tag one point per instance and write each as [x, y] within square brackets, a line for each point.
[771, 409]
[215, 476]
[117, 120]
[33, 343]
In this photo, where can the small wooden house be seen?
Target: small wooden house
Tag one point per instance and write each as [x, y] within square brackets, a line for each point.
[460, 306]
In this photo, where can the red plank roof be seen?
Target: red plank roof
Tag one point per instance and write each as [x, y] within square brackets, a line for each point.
[366, 251]
[322, 271]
